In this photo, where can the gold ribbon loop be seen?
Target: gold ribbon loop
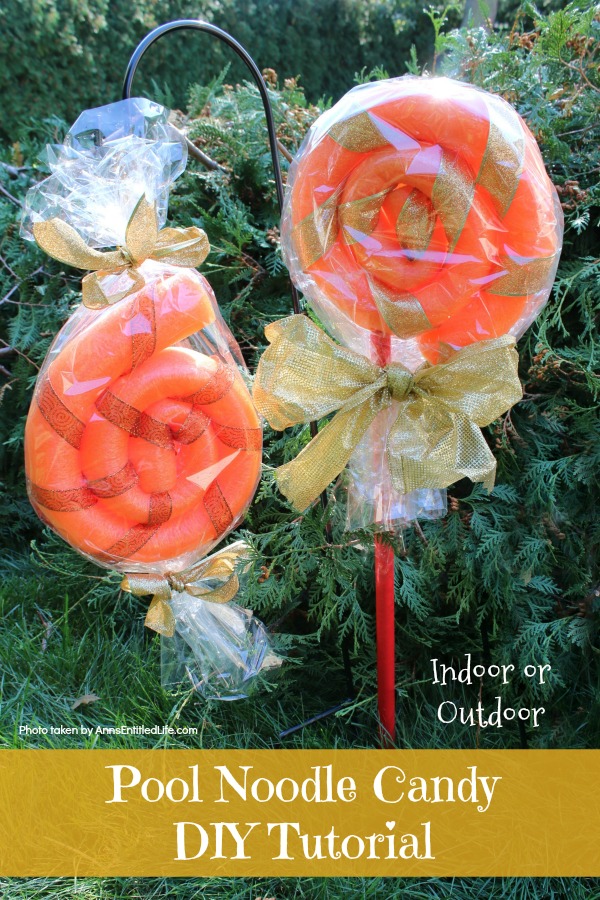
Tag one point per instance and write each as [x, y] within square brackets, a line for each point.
[435, 438]
[175, 246]
[213, 579]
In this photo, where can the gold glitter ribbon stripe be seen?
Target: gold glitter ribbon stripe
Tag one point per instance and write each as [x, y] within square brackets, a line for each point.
[401, 311]
[317, 233]
[359, 217]
[358, 133]
[452, 196]
[522, 278]
[415, 222]
[58, 416]
[435, 438]
[503, 158]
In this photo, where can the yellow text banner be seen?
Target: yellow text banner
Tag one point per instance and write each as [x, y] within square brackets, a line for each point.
[299, 812]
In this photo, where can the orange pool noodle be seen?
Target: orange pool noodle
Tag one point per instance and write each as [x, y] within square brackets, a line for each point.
[433, 195]
[141, 451]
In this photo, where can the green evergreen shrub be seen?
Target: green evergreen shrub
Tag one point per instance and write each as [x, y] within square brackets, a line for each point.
[59, 56]
[514, 575]
[511, 577]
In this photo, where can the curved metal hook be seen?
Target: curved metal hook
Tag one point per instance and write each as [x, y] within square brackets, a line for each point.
[199, 25]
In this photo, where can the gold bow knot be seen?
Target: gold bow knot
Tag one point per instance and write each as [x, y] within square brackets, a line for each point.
[213, 579]
[143, 240]
[435, 438]
[399, 381]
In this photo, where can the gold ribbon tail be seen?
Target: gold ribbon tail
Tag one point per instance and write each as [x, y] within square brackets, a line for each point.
[437, 438]
[160, 616]
[304, 375]
[321, 461]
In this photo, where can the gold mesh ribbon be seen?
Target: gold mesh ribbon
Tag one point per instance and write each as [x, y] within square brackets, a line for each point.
[435, 439]
[143, 240]
[214, 579]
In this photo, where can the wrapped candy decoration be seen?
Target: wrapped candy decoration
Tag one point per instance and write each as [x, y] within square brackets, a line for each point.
[421, 225]
[419, 219]
[142, 444]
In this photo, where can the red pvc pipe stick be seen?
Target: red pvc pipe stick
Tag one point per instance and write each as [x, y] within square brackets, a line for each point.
[385, 622]
[384, 603]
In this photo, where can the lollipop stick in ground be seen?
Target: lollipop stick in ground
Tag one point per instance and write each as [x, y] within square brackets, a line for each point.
[384, 599]
[385, 628]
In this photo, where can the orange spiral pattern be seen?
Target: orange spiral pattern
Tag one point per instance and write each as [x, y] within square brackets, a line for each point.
[421, 207]
[137, 450]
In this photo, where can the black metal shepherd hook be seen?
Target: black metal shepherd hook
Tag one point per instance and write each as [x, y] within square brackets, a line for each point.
[208, 28]
[198, 25]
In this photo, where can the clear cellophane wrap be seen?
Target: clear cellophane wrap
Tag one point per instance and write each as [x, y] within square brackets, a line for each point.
[142, 444]
[419, 219]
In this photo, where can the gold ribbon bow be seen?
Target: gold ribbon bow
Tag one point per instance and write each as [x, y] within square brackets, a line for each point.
[143, 240]
[435, 438]
[199, 581]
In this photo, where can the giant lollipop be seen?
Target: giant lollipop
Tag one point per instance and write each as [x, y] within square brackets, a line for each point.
[142, 445]
[420, 209]
[423, 228]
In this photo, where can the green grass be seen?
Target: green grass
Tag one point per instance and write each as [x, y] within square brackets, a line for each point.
[67, 630]
[56, 647]
[65, 637]
[301, 889]
[96, 643]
